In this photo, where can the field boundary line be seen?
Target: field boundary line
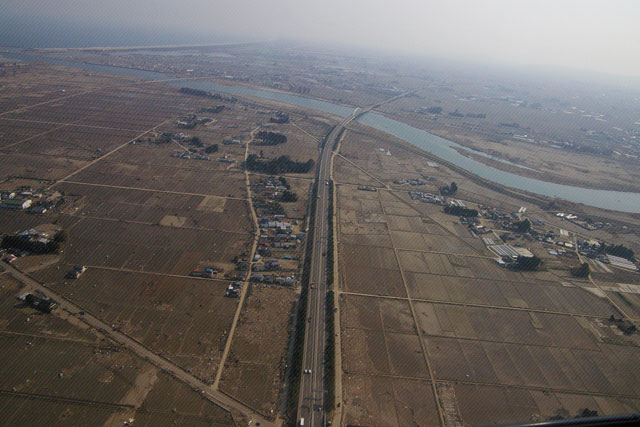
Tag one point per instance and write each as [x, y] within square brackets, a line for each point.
[118, 148]
[70, 124]
[29, 138]
[155, 224]
[337, 329]
[366, 172]
[67, 399]
[469, 304]
[154, 273]
[423, 344]
[122, 187]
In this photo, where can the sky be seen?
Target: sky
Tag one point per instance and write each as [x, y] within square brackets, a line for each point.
[593, 35]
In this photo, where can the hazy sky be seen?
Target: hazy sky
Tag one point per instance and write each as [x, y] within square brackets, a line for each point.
[595, 35]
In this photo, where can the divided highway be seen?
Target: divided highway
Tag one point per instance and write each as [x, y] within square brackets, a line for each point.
[312, 392]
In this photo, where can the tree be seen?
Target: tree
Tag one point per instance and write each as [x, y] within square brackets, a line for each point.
[60, 236]
[523, 226]
[289, 196]
[619, 250]
[449, 190]
[582, 270]
[460, 211]
[524, 263]
[284, 183]
[434, 110]
[270, 138]
[211, 149]
[282, 164]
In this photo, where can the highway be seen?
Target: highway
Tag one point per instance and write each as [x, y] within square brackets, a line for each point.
[311, 397]
[312, 392]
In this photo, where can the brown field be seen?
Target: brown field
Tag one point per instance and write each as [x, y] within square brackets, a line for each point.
[167, 178]
[141, 221]
[148, 207]
[379, 400]
[77, 143]
[154, 248]
[539, 344]
[70, 374]
[185, 319]
[255, 365]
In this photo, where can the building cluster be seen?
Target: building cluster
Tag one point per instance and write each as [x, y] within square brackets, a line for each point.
[40, 303]
[191, 121]
[205, 273]
[278, 239]
[427, 197]
[279, 117]
[234, 289]
[33, 235]
[269, 189]
[586, 224]
[29, 200]
[188, 154]
[594, 249]
[231, 142]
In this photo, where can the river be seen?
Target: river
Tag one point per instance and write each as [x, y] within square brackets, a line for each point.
[440, 147]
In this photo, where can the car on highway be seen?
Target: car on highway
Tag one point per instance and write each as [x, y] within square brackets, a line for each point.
[307, 371]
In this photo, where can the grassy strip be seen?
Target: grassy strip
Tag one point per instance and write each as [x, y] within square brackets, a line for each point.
[326, 137]
[335, 144]
[329, 351]
[329, 356]
[330, 238]
[301, 317]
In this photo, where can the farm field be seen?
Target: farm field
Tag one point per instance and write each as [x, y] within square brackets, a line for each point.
[140, 219]
[424, 306]
[57, 366]
[255, 366]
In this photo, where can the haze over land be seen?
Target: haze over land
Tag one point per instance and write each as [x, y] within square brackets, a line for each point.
[372, 213]
[590, 35]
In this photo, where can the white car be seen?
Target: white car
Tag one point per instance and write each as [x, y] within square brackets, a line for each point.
[307, 371]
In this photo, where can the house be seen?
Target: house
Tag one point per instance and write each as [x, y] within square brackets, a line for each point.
[273, 264]
[40, 209]
[76, 271]
[7, 194]
[257, 277]
[17, 204]
[46, 305]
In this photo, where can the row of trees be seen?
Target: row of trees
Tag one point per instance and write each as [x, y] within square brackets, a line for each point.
[582, 270]
[525, 263]
[33, 246]
[211, 149]
[289, 196]
[460, 211]
[301, 314]
[449, 190]
[270, 138]
[282, 164]
[523, 226]
[619, 250]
